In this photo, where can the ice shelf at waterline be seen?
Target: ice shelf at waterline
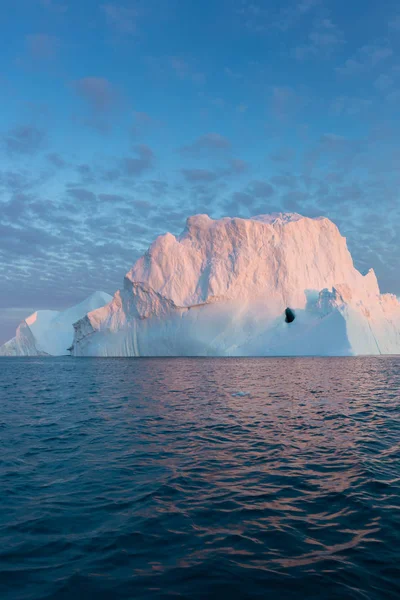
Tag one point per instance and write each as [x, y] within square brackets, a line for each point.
[278, 284]
[50, 332]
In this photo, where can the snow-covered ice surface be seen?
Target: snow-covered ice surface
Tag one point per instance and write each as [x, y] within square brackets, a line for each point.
[222, 288]
[50, 332]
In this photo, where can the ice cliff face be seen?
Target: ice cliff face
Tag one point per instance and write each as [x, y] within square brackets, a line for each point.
[222, 289]
[50, 332]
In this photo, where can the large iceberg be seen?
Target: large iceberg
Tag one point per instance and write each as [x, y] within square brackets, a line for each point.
[50, 332]
[278, 284]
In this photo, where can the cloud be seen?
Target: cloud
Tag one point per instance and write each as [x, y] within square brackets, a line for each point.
[82, 195]
[333, 151]
[16, 181]
[122, 19]
[163, 66]
[348, 105]
[15, 209]
[232, 74]
[289, 16]
[54, 6]
[240, 204]
[258, 19]
[230, 168]
[283, 155]
[260, 189]
[285, 180]
[323, 40]
[134, 166]
[211, 142]
[293, 200]
[199, 175]
[251, 201]
[394, 23]
[98, 92]
[97, 122]
[42, 46]
[24, 139]
[236, 166]
[86, 173]
[367, 57]
[112, 198]
[143, 122]
[383, 83]
[56, 160]
[286, 101]
[180, 67]
[184, 71]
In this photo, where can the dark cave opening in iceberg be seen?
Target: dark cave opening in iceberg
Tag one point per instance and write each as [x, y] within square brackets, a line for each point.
[289, 315]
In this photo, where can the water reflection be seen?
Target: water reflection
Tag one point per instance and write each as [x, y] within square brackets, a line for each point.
[195, 475]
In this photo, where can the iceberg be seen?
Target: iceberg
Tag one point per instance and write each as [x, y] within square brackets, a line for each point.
[270, 285]
[50, 332]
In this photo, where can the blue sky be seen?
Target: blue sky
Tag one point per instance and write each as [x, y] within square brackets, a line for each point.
[120, 119]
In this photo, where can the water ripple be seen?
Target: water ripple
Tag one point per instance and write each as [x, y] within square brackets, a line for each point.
[206, 478]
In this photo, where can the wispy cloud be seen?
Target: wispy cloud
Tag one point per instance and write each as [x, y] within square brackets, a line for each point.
[24, 139]
[123, 19]
[164, 66]
[290, 16]
[210, 142]
[258, 18]
[367, 57]
[350, 105]
[184, 71]
[323, 40]
[54, 5]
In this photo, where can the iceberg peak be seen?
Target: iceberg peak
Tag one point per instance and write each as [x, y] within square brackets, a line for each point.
[50, 332]
[226, 287]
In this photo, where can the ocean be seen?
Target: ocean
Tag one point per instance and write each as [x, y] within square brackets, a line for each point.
[200, 478]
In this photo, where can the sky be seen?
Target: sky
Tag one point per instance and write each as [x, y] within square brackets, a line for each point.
[118, 120]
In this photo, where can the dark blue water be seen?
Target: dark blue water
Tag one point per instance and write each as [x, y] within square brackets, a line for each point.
[200, 478]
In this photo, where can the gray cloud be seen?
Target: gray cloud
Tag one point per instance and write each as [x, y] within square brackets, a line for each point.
[134, 166]
[199, 175]
[56, 160]
[211, 142]
[232, 167]
[24, 139]
[260, 189]
[98, 92]
[82, 194]
[283, 155]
